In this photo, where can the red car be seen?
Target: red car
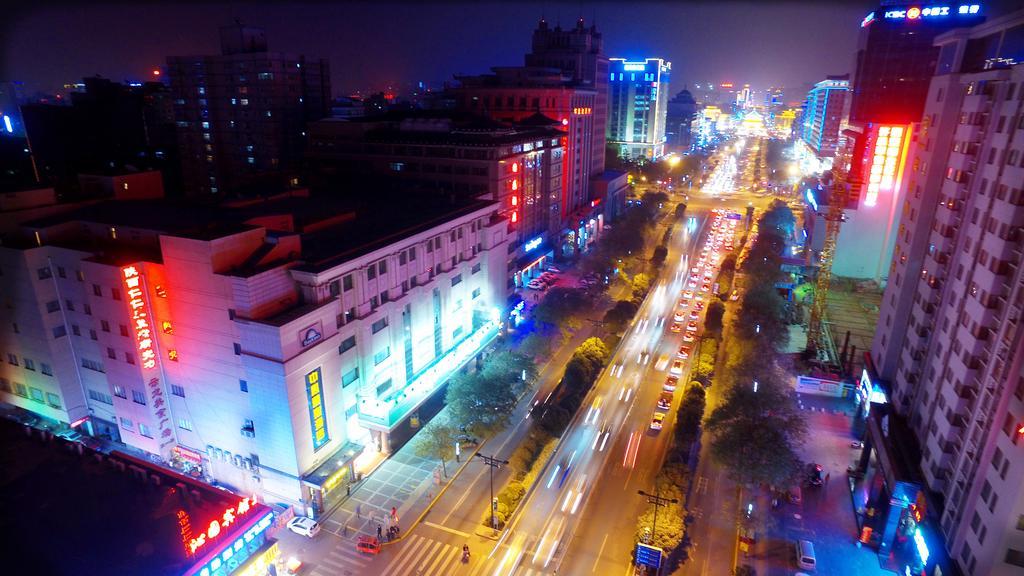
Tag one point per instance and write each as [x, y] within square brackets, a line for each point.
[692, 326]
[684, 351]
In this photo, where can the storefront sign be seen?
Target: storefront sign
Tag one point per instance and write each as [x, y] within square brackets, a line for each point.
[188, 455]
[922, 546]
[317, 414]
[214, 528]
[233, 555]
[533, 243]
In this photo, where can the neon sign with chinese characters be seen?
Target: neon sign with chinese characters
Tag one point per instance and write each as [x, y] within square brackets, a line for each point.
[140, 316]
[214, 528]
[922, 546]
[317, 415]
[634, 67]
[514, 198]
[533, 243]
[233, 555]
[918, 13]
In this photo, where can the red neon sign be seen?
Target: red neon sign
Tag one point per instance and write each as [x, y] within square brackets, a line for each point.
[213, 529]
[140, 316]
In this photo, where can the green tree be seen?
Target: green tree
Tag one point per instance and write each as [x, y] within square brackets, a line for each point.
[437, 440]
[483, 401]
[754, 434]
[680, 210]
[641, 284]
[620, 314]
[658, 258]
[560, 308]
[713, 319]
[535, 345]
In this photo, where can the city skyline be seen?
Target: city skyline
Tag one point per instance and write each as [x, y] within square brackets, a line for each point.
[775, 47]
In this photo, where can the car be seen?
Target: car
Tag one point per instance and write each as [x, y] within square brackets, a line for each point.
[705, 287]
[574, 495]
[657, 420]
[691, 326]
[644, 357]
[694, 314]
[698, 305]
[692, 284]
[71, 435]
[677, 367]
[689, 336]
[466, 439]
[688, 294]
[553, 269]
[670, 384]
[536, 286]
[695, 270]
[665, 401]
[304, 526]
[680, 315]
[735, 295]
[676, 327]
[684, 352]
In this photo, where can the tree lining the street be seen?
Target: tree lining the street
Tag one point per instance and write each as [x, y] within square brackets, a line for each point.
[437, 441]
[482, 401]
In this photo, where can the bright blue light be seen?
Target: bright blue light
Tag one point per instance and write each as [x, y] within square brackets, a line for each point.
[533, 244]
[811, 200]
[7, 124]
[922, 546]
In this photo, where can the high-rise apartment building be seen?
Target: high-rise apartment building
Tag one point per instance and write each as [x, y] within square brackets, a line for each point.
[894, 63]
[824, 113]
[680, 114]
[241, 115]
[950, 341]
[638, 106]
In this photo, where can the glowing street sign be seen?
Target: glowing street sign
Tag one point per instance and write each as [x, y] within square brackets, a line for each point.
[634, 67]
[317, 415]
[533, 244]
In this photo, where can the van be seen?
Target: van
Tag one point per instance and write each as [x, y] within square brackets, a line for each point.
[805, 555]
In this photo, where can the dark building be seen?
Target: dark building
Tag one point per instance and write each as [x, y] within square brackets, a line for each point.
[896, 58]
[241, 115]
[580, 53]
[681, 112]
[107, 126]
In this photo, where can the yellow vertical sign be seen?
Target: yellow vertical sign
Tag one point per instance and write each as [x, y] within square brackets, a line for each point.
[317, 416]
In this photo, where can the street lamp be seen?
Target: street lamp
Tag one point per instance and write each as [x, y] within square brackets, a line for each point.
[658, 502]
[493, 463]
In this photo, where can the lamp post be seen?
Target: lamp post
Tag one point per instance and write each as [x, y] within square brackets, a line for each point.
[493, 463]
[658, 502]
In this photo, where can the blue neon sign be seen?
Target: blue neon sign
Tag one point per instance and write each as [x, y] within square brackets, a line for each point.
[811, 200]
[917, 13]
[922, 546]
[533, 243]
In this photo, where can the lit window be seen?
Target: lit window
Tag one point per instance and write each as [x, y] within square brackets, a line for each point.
[251, 160]
[245, 101]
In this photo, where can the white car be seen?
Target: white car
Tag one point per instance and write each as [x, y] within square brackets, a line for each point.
[304, 526]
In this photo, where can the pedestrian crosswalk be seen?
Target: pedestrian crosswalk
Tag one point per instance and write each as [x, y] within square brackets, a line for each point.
[423, 557]
[343, 560]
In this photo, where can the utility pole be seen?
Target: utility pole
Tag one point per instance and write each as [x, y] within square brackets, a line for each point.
[493, 463]
[658, 502]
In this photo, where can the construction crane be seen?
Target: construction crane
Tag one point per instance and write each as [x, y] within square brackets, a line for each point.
[833, 220]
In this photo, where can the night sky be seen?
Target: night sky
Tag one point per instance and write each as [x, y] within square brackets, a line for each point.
[373, 45]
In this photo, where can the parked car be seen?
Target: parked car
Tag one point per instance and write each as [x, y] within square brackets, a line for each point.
[665, 401]
[814, 474]
[71, 435]
[677, 367]
[554, 269]
[684, 352]
[676, 327]
[304, 526]
[670, 384]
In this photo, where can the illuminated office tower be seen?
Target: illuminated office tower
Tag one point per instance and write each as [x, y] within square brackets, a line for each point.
[638, 106]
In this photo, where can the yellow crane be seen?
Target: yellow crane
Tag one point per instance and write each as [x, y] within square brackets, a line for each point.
[840, 190]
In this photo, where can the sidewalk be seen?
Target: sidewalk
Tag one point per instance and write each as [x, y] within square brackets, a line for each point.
[407, 482]
[825, 516]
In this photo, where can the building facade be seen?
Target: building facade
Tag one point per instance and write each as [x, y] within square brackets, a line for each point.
[269, 344]
[680, 114]
[578, 52]
[241, 115]
[894, 63]
[949, 340]
[824, 114]
[638, 106]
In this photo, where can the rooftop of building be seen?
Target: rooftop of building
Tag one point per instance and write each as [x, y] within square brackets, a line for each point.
[381, 220]
[445, 127]
[67, 512]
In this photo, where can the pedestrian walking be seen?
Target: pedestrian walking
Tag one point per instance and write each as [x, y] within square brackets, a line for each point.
[827, 476]
[359, 510]
[380, 531]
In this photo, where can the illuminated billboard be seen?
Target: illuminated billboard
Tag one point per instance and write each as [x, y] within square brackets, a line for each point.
[317, 411]
[885, 161]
